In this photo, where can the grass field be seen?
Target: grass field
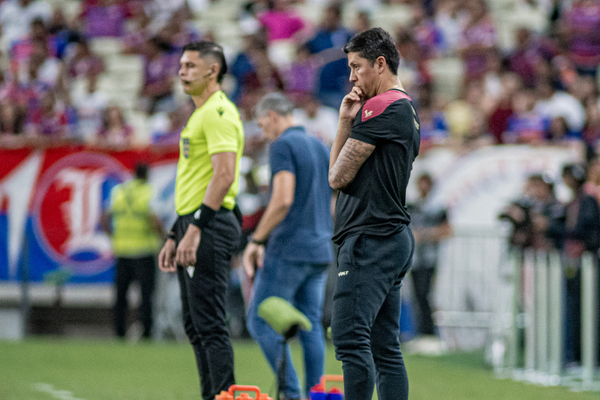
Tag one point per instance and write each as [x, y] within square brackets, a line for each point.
[68, 369]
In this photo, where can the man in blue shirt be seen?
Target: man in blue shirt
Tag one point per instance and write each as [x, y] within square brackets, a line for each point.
[298, 226]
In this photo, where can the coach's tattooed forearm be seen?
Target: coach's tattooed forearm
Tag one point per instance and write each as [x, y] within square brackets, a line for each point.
[351, 158]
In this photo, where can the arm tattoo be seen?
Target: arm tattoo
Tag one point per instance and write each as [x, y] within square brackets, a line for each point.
[351, 158]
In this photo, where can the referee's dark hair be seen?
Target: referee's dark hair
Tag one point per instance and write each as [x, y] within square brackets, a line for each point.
[372, 44]
[206, 48]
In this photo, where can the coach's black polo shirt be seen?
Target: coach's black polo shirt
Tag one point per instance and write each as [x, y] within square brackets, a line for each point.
[374, 202]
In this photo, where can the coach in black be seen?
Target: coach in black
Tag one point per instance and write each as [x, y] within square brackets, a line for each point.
[371, 160]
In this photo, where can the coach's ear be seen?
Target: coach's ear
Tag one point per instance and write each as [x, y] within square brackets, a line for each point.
[380, 64]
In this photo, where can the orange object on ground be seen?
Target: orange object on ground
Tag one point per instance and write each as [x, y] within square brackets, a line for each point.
[331, 378]
[230, 395]
[224, 396]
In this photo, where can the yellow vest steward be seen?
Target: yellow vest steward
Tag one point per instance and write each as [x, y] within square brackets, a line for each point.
[131, 219]
[216, 127]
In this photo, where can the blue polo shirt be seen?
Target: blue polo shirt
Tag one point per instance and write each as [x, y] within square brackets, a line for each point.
[305, 233]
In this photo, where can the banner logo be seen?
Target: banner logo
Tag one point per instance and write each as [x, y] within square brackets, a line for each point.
[67, 208]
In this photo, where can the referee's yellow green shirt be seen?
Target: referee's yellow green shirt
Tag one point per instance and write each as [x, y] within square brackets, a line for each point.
[215, 127]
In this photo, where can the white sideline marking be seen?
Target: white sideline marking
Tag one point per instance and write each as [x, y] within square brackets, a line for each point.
[57, 394]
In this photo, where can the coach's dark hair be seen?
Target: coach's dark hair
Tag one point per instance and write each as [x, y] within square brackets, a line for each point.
[206, 48]
[372, 44]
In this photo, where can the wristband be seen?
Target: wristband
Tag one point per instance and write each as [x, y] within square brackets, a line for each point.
[171, 235]
[259, 242]
[203, 216]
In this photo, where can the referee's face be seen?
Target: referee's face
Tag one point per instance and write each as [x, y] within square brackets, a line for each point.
[194, 73]
[363, 75]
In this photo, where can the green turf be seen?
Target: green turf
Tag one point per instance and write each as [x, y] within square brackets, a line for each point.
[110, 370]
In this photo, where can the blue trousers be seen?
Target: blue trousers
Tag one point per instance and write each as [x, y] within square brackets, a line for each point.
[302, 285]
[366, 311]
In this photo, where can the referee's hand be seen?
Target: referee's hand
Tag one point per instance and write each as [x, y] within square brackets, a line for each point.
[253, 258]
[188, 246]
[166, 258]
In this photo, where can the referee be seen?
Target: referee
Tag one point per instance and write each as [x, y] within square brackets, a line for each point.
[371, 159]
[207, 231]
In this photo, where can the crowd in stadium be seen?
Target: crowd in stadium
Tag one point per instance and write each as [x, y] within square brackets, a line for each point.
[542, 89]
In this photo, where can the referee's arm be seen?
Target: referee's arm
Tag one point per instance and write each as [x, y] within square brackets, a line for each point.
[223, 165]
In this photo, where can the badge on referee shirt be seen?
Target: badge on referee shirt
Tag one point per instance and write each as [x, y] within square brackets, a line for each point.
[186, 147]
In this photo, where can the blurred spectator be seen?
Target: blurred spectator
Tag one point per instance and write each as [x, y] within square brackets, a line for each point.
[161, 11]
[429, 225]
[63, 32]
[44, 68]
[159, 73]
[11, 118]
[90, 107]
[450, 17]
[592, 183]
[426, 34]
[328, 43]
[105, 18]
[576, 230]
[502, 109]
[580, 25]
[135, 39]
[363, 21]
[83, 62]
[461, 113]
[21, 49]
[178, 32]
[115, 132]
[16, 17]
[434, 127]
[166, 127]
[529, 52]
[302, 74]
[555, 103]
[559, 133]
[15, 92]
[413, 68]
[48, 121]
[255, 73]
[280, 20]
[591, 130]
[319, 120]
[585, 89]
[526, 125]
[531, 214]
[478, 38]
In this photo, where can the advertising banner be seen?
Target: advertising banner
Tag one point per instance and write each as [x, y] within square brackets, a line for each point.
[51, 201]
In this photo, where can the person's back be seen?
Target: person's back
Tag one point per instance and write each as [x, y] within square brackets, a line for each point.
[305, 232]
[135, 230]
[133, 233]
[297, 224]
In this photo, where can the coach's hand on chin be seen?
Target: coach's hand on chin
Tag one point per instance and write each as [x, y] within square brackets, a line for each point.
[351, 103]
[188, 246]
